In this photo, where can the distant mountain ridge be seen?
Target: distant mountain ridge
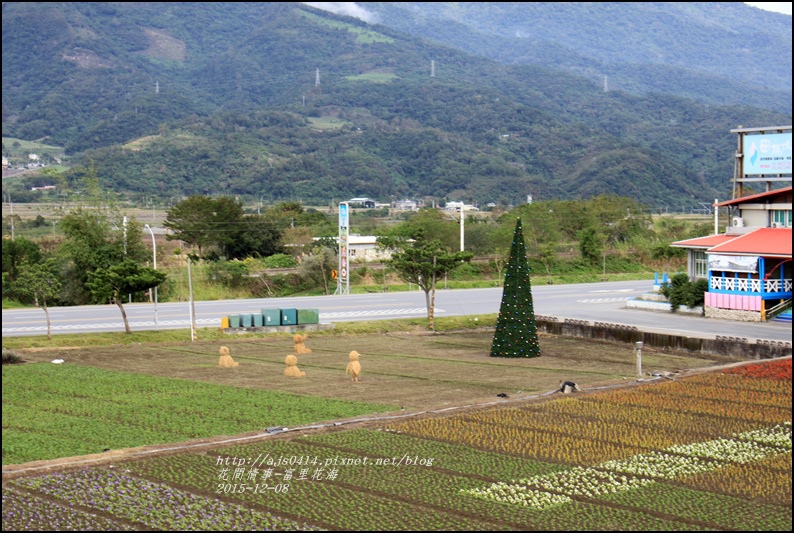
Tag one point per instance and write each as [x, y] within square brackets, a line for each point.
[715, 52]
[170, 99]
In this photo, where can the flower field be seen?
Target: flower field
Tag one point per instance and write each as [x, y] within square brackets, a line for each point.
[52, 411]
[709, 451]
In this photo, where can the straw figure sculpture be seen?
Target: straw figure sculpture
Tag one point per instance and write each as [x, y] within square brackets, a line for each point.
[299, 341]
[292, 370]
[226, 360]
[354, 367]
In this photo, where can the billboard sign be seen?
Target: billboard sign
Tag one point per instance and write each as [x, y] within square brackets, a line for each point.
[766, 154]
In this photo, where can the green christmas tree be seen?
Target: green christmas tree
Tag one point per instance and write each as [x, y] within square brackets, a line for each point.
[516, 332]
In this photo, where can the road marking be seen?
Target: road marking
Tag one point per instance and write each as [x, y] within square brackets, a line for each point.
[615, 290]
[381, 312]
[601, 300]
[77, 327]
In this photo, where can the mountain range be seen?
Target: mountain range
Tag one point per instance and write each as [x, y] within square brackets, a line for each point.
[473, 101]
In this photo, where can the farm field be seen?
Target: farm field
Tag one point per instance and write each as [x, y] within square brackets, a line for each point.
[707, 450]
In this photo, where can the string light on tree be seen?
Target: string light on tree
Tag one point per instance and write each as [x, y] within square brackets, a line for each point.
[516, 332]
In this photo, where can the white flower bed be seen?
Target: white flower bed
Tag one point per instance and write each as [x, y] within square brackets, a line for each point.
[676, 461]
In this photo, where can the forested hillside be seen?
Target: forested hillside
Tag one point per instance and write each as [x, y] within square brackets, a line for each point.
[714, 52]
[284, 101]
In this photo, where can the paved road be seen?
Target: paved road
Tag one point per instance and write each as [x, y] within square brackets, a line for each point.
[604, 302]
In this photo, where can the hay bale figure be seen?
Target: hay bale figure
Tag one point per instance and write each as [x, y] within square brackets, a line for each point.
[292, 370]
[300, 347]
[354, 367]
[226, 360]
[567, 387]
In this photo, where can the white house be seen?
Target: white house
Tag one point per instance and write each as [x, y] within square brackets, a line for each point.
[364, 249]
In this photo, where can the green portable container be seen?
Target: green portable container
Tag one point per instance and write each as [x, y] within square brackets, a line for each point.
[308, 316]
[259, 320]
[234, 321]
[271, 317]
[289, 317]
[246, 320]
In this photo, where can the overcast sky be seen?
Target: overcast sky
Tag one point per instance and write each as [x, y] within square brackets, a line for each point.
[779, 7]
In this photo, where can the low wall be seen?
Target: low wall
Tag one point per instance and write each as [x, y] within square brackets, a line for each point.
[724, 346]
[660, 305]
[280, 329]
[733, 314]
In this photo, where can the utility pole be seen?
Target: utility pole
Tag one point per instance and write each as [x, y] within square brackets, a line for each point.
[154, 261]
[462, 218]
[12, 215]
[192, 308]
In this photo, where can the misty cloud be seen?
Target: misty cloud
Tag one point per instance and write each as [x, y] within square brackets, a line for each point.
[351, 9]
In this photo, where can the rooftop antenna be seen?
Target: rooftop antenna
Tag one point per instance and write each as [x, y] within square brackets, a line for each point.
[432, 68]
[317, 78]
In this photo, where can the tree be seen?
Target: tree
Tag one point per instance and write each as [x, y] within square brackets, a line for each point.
[318, 266]
[127, 277]
[202, 221]
[96, 239]
[37, 281]
[17, 252]
[516, 332]
[423, 262]
[258, 238]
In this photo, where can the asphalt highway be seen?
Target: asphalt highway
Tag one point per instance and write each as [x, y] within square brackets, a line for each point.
[602, 302]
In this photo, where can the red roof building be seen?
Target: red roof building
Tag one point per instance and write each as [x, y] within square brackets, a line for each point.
[749, 266]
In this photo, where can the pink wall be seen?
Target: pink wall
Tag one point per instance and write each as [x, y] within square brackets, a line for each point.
[733, 301]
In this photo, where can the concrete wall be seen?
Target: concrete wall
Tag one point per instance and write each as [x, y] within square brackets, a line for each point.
[725, 346]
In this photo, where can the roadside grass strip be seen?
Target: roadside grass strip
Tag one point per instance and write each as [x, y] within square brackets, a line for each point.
[153, 505]
[546, 491]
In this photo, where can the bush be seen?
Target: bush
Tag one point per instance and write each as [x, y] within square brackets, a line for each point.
[280, 261]
[682, 291]
[228, 273]
[10, 358]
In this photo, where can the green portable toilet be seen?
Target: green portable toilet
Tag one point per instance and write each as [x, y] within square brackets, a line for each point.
[308, 316]
[246, 320]
[234, 321]
[289, 317]
[271, 317]
[258, 320]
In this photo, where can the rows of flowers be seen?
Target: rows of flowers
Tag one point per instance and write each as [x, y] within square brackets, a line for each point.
[332, 503]
[92, 409]
[448, 456]
[639, 432]
[746, 411]
[609, 477]
[661, 418]
[778, 369]
[663, 463]
[430, 494]
[22, 512]
[541, 444]
[153, 505]
[711, 510]
[768, 480]
[739, 381]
